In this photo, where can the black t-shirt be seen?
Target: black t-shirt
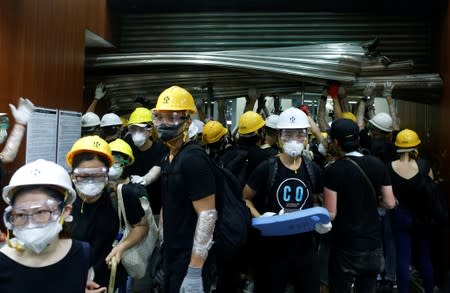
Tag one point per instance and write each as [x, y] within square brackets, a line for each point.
[409, 192]
[189, 177]
[291, 190]
[357, 225]
[67, 275]
[98, 224]
[381, 148]
[143, 162]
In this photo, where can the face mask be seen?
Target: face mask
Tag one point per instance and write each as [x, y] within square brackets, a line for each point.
[139, 138]
[38, 238]
[293, 148]
[322, 150]
[3, 135]
[115, 172]
[167, 133]
[90, 189]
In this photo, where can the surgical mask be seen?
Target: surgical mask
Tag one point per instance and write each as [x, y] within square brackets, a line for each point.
[293, 148]
[90, 189]
[38, 238]
[167, 133]
[139, 138]
[115, 172]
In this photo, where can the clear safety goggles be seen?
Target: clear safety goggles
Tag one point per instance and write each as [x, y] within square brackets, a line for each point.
[38, 213]
[119, 161]
[169, 118]
[90, 175]
[134, 128]
[293, 134]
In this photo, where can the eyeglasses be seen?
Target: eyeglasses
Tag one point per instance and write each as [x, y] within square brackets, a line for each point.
[38, 217]
[89, 175]
[39, 213]
[293, 134]
[169, 118]
[119, 161]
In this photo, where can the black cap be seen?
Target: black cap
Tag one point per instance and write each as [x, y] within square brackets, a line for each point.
[346, 132]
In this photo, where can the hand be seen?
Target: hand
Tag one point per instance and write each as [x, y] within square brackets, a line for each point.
[24, 111]
[192, 282]
[92, 287]
[388, 87]
[323, 228]
[369, 89]
[100, 91]
[137, 179]
[117, 252]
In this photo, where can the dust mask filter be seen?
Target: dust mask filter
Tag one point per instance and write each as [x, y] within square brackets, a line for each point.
[293, 148]
[115, 172]
[139, 138]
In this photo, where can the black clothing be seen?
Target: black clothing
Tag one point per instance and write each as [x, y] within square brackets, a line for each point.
[189, 177]
[67, 275]
[143, 162]
[98, 224]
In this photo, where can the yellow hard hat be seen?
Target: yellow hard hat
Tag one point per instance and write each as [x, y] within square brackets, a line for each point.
[175, 98]
[407, 138]
[213, 131]
[140, 115]
[250, 122]
[349, 115]
[324, 134]
[93, 144]
[120, 146]
[124, 121]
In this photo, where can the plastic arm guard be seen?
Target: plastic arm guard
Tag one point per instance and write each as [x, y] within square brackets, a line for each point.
[204, 233]
[9, 152]
[152, 175]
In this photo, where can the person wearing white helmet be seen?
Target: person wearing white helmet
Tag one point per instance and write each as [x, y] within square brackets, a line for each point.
[293, 187]
[90, 123]
[110, 127]
[39, 198]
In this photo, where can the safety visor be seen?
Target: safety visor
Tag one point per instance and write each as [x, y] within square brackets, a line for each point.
[171, 118]
[32, 214]
[90, 175]
[293, 134]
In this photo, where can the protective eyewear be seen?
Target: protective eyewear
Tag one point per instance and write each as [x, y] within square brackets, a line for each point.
[38, 214]
[293, 134]
[168, 118]
[136, 128]
[90, 175]
[120, 161]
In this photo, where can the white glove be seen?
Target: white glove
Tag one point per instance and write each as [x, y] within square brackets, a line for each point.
[100, 91]
[388, 87]
[268, 214]
[192, 282]
[308, 154]
[24, 111]
[369, 89]
[323, 228]
[137, 179]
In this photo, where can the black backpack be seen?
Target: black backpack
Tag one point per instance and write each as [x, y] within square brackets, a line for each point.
[234, 218]
[238, 165]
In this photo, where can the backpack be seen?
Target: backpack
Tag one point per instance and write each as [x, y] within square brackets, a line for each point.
[238, 165]
[435, 201]
[234, 218]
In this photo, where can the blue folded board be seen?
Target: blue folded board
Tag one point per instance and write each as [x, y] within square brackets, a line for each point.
[291, 223]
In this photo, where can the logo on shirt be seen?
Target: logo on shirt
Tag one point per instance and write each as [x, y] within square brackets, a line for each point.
[292, 194]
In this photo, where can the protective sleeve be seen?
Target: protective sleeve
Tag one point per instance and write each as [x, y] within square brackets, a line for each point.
[152, 175]
[204, 233]
[9, 152]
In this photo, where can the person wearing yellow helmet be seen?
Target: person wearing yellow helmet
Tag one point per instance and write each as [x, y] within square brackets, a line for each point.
[215, 138]
[39, 197]
[95, 219]
[188, 209]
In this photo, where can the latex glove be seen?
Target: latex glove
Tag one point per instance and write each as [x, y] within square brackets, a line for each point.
[268, 214]
[23, 112]
[388, 87]
[137, 179]
[100, 91]
[192, 282]
[323, 228]
[369, 89]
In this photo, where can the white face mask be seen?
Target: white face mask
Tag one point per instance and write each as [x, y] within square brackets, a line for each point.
[90, 189]
[293, 148]
[115, 172]
[322, 150]
[38, 238]
[139, 138]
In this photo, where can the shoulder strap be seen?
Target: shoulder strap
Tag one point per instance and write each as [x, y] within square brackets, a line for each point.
[273, 169]
[310, 171]
[121, 207]
[365, 176]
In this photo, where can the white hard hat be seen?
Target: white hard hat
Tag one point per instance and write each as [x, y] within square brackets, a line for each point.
[90, 119]
[293, 118]
[40, 172]
[382, 121]
[272, 121]
[110, 119]
[199, 125]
